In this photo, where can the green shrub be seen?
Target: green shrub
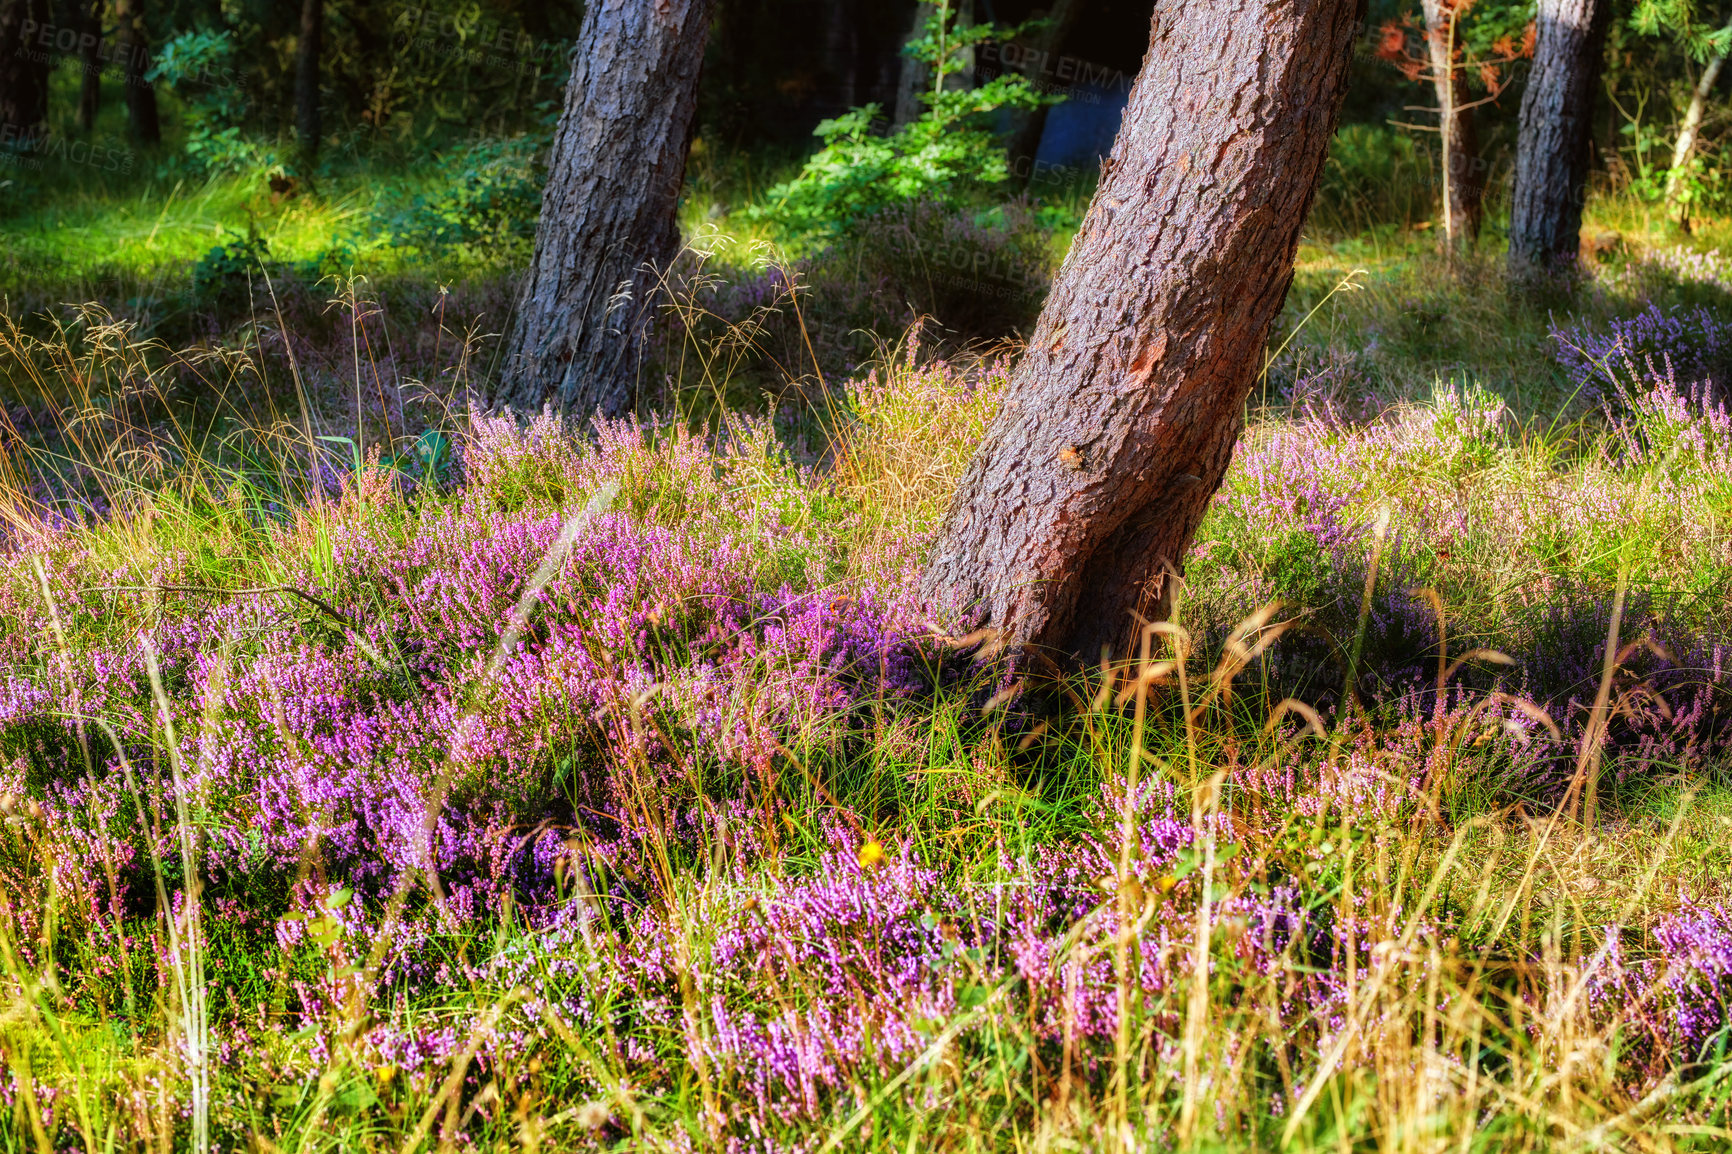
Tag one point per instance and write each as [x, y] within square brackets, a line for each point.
[492, 202]
[860, 171]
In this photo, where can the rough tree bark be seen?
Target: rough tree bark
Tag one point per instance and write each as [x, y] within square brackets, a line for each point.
[1120, 420]
[1556, 129]
[23, 70]
[133, 39]
[1685, 147]
[307, 51]
[613, 185]
[1464, 170]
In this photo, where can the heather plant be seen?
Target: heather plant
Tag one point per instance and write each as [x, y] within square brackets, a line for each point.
[612, 788]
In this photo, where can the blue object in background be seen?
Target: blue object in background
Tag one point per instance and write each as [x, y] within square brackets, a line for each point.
[1081, 130]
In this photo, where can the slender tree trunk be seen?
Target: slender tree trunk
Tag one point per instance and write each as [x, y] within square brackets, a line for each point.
[307, 52]
[1120, 421]
[1685, 148]
[613, 186]
[841, 53]
[89, 62]
[915, 78]
[133, 39]
[1027, 126]
[1556, 129]
[23, 70]
[1463, 169]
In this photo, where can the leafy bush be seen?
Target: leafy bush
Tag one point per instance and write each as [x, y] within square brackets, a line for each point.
[494, 200]
[861, 170]
[201, 69]
[222, 276]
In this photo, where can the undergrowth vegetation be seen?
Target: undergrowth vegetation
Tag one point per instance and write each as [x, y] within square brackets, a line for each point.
[381, 771]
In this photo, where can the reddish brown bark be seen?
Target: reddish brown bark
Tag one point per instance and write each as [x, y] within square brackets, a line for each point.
[1121, 418]
[607, 215]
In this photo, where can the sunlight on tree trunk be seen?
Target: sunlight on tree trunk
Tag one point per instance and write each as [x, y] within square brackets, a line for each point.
[1463, 170]
[1121, 418]
[613, 185]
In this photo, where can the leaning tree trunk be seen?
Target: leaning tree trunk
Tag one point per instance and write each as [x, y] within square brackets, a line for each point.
[607, 216]
[307, 48]
[133, 39]
[1120, 420]
[1556, 130]
[1685, 147]
[1463, 170]
[23, 71]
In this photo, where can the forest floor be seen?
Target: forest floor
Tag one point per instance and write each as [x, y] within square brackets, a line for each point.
[381, 773]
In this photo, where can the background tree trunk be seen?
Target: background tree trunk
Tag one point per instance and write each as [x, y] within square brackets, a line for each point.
[613, 185]
[915, 77]
[1027, 126]
[1120, 420]
[23, 69]
[90, 62]
[1463, 169]
[1685, 147]
[841, 54]
[1556, 127]
[307, 51]
[133, 38]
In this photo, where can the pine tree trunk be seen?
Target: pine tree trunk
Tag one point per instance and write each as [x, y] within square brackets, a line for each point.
[23, 70]
[608, 214]
[1685, 147]
[1464, 170]
[308, 47]
[1120, 420]
[1556, 130]
[133, 40]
